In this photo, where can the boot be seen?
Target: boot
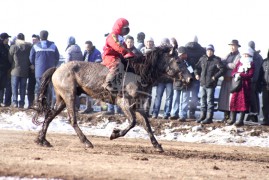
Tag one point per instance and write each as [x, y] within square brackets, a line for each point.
[209, 118]
[226, 116]
[233, 118]
[202, 117]
[108, 85]
[240, 122]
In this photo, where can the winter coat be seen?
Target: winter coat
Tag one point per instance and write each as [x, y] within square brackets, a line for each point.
[43, 56]
[115, 46]
[19, 58]
[93, 56]
[224, 96]
[73, 53]
[4, 53]
[257, 60]
[240, 101]
[263, 81]
[208, 67]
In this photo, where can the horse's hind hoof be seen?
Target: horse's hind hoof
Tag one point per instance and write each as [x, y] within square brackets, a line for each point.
[159, 148]
[88, 144]
[43, 143]
[115, 134]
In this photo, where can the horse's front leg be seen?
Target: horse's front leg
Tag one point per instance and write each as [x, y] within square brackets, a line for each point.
[129, 113]
[49, 116]
[142, 118]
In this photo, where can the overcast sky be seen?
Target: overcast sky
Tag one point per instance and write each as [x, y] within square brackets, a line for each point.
[213, 21]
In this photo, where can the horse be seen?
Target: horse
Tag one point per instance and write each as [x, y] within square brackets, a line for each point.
[77, 77]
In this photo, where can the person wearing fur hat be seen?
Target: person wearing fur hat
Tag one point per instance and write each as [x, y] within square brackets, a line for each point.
[254, 100]
[114, 49]
[240, 100]
[208, 70]
[19, 58]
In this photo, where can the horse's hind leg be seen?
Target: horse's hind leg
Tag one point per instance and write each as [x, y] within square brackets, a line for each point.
[73, 120]
[142, 118]
[125, 106]
[41, 139]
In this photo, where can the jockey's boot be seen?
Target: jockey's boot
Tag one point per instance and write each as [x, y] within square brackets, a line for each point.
[240, 122]
[202, 117]
[209, 118]
[233, 118]
[108, 82]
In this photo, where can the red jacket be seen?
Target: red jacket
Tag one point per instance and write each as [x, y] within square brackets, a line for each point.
[115, 47]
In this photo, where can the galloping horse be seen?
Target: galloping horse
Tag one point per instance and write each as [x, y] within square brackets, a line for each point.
[76, 77]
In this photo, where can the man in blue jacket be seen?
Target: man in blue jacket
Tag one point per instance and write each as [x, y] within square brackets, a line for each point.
[43, 55]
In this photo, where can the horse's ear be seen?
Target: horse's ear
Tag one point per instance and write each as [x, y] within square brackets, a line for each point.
[172, 51]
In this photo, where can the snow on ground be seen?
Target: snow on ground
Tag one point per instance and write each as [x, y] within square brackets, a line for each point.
[226, 135]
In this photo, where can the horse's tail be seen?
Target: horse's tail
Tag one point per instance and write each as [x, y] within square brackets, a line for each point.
[41, 105]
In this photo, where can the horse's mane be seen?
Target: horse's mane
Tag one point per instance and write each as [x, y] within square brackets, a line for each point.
[148, 66]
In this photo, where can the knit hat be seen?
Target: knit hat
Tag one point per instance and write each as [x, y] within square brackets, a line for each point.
[149, 39]
[20, 36]
[165, 41]
[71, 40]
[210, 47]
[4, 36]
[251, 44]
[248, 51]
[181, 50]
[44, 35]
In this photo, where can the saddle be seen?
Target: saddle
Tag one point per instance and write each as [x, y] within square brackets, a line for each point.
[126, 80]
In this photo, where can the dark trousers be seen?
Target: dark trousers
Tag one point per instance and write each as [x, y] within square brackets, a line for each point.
[265, 103]
[207, 99]
[254, 99]
[5, 89]
[31, 88]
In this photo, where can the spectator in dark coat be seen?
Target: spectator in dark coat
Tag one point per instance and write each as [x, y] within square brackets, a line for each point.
[263, 86]
[194, 51]
[91, 54]
[229, 62]
[208, 70]
[43, 55]
[19, 58]
[181, 90]
[4, 70]
[240, 101]
[254, 100]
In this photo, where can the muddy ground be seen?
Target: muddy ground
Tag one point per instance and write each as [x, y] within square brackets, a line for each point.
[126, 158]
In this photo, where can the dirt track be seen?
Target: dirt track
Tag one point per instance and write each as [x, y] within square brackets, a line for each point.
[127, 159]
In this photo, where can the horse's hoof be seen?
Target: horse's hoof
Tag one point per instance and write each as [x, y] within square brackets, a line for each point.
[43, 143]
[115, 134]
[88, 144]
[159, 148]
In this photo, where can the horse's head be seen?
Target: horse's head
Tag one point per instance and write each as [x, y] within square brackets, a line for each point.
[174, 68]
